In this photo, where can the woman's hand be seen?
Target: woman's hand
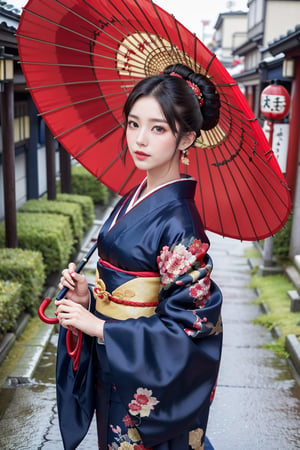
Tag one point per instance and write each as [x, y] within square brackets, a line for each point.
[73, 316]
[77, 286]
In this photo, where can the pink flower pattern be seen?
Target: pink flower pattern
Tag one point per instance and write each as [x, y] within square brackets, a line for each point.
[143, 403]
[201, 291]
[197, 325]
[179, 260]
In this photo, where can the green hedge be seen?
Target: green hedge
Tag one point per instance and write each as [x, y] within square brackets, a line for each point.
[71, 210]
[86, 203]
[51, 234]
[9, 305]
[281, 242]
[84, 183]
[27, 268]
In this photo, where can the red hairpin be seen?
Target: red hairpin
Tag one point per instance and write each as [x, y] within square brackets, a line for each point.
[196, 89]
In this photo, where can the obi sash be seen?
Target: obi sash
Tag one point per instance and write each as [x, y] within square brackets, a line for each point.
[134, 298]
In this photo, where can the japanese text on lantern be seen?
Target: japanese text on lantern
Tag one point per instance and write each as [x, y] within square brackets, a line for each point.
[273, 103]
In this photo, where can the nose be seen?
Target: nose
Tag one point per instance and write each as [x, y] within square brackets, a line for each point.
[141, 138]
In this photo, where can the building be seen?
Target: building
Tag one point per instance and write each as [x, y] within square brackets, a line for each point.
[267, 19]
[288, 48]
[231, 32]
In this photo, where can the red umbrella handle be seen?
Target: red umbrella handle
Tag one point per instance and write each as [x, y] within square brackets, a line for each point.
[41, 312]
[73, 348]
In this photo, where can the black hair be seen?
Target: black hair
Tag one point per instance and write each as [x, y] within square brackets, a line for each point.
[178, 101]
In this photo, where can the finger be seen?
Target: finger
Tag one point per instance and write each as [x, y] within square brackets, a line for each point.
[66, 280]
[67, 273]
[72, 267]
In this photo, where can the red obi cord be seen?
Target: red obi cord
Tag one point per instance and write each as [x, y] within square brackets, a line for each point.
[129, 272]
[100, 295]
[74, 347]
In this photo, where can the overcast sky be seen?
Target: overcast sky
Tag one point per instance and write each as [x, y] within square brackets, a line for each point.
[190, 12]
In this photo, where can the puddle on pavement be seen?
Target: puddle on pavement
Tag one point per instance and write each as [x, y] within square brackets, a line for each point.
[45, 371]
[30, 410]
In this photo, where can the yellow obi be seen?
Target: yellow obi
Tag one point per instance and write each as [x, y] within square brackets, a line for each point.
[133, 299]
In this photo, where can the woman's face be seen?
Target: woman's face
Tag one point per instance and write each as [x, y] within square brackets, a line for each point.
[150, 139]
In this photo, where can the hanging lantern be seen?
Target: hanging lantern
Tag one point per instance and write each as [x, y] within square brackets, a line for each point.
[274, 102]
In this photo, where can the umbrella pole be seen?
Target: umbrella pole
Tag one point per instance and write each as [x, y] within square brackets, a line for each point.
[61, 294]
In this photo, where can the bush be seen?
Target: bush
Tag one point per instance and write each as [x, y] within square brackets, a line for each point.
[281, 242]
[84, 183]
[86, 204]
[71, 210]
[9, 299]
[27, 268]
[50, 234]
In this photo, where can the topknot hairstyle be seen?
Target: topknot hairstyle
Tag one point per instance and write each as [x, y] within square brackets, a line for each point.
[211, 100]
[178, 102]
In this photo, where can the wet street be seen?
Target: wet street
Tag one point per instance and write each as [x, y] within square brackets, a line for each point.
[257, 402]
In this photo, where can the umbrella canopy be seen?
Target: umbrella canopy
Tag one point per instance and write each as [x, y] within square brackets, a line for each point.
[82, 58]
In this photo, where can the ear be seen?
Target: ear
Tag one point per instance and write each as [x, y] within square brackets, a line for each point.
[187, 140]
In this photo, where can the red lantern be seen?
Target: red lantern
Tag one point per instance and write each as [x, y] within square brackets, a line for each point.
[274, 102]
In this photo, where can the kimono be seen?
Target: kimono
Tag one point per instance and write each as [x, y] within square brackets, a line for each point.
[152, 378]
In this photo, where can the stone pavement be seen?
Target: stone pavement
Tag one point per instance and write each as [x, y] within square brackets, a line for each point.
[257, 402]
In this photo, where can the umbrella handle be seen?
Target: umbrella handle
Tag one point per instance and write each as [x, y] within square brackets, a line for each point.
[61, 294]
[41, 312]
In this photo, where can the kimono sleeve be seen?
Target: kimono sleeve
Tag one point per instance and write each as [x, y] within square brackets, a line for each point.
[165, 367]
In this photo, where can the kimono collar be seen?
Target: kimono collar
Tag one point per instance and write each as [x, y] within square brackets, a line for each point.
[181, 188]
[136, 198]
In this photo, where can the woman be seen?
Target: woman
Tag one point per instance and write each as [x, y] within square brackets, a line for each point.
[154, 311]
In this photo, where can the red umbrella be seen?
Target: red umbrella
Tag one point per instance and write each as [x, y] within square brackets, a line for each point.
[82, 58]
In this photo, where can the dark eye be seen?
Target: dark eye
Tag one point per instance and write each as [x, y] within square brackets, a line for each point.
[158, 129]
[132, 124]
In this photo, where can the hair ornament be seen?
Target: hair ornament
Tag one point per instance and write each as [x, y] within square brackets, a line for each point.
[193, 86]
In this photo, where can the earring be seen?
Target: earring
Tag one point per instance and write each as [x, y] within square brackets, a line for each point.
[185, 158]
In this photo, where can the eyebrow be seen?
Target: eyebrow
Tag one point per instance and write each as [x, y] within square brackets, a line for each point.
[151, 119]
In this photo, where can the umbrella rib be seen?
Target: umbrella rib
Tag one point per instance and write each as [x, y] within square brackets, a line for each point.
[112, 69]
[151, 25]
[267, 167]
[88, 38]
[215, 196]
[127, 179]
[161, 22]
[195, 52]
[228, 196]
[112, 25]
[98, 139]
[86, 121]
[163, 26]
[142, 26]
[232, 158]
[109, 166]
[210, 63]
[70, 29]
[229, 115]
[65, 47]
[187, 60]
[71, 83]
[199, 184]
[79, 102]
[41, 63]
[260, 188]
[125, 36]
[125, 18]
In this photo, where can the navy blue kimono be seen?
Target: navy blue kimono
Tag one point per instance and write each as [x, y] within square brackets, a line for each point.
[152, 379]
